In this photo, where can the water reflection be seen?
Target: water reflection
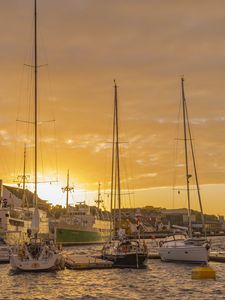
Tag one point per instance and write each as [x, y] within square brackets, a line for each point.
[159, 281]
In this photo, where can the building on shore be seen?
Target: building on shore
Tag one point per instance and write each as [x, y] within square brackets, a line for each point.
[17, 197]
[162, 220]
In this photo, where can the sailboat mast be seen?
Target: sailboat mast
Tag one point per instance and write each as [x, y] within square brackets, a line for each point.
[117, 156]
[186, 157]
[99, 194]
[24, 169]
[195, 171]
[112, 175]
[67, 190]
[35, 104]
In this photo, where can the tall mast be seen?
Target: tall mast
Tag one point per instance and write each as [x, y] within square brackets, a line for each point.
[35, 103]
[112, 175]
[24, 176]
[67, 189]
[186, 157]
[24, 168]
[117, 155]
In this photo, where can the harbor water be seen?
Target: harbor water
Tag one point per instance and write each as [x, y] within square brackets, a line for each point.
[158, 281]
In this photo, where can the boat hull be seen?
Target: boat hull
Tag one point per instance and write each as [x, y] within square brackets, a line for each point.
[35, 265]
[191, 254]
[128, 260]
[70, 236]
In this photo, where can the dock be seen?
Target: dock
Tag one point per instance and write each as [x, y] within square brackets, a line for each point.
[217, 257]
[83, 262]
[153, 255]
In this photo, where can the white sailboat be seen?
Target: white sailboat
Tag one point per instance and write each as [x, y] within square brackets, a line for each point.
[35, 255]
[124, 252]
[187, 249]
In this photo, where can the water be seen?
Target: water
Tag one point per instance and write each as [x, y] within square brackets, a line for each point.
[159, 281]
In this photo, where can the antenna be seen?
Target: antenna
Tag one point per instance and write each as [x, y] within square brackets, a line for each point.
[67, 189]
[99, 200]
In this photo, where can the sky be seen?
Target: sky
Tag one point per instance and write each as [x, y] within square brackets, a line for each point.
[146, 45]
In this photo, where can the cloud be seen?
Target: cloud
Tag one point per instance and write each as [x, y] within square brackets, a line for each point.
[5, 138]
[88, 44]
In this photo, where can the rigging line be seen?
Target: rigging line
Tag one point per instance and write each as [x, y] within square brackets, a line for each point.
[126, 161]
[41, 151]
[19, 103]
[107, 150]
[195, 171]
[105, 171]
[56, 151]
[131, 170]
[106, 163]
[28, 131]
[175, 152]
[50, 93]
[126, 181]
[16, 125]
[17, 134]
[186, 156]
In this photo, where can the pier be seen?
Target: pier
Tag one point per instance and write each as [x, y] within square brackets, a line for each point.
[83, 262]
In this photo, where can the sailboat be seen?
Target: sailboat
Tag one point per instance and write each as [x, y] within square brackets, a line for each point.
[187, 249]
[35, 255]
[122, 251]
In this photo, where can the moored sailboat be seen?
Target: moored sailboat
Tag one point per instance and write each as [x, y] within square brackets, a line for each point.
[188, 249]
[122, 251]
[35, 255]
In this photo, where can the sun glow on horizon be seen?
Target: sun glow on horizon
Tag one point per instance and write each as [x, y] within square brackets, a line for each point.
[153, 196]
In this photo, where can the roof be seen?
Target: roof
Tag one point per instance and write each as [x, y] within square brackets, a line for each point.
[18, 192]
[177, 211]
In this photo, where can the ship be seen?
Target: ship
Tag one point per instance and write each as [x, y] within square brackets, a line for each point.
[82, 224]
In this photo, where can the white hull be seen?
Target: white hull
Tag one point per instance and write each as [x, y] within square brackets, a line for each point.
[42, 264]
[187, 253]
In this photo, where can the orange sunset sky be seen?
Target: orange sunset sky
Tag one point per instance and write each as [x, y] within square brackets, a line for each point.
[146, 45]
